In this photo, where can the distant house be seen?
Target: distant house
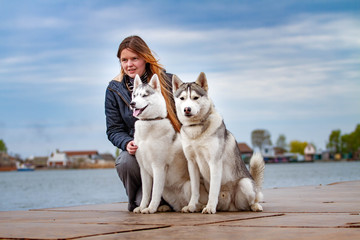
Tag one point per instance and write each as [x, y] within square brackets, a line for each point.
[7, 162]
[309, 152]
[58, 159]
[273, 154]
[106, 157]
[267, 150]
[246, 152]
[82, 156]
[279, 151]
[38, 162]
[80, 159]
[245, 149]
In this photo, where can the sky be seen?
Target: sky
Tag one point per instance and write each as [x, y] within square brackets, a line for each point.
[290, 67]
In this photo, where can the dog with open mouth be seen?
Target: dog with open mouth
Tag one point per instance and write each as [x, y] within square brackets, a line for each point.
[163, 166]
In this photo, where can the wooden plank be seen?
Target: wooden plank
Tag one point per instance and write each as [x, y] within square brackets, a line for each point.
[213, 232]
[311, 212]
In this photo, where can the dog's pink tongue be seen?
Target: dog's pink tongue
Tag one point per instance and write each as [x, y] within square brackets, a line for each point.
[136, 112]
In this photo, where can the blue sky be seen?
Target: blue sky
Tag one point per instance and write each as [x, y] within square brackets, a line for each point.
[291, 67]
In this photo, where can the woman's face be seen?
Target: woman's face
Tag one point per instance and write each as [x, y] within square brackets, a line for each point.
[132, 63]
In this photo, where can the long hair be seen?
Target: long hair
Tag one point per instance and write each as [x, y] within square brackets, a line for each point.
[138, 45]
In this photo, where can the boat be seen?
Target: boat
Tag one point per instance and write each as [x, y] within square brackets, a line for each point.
[24, 167]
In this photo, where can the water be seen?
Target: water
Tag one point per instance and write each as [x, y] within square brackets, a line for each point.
[309, 174]
[61, 188]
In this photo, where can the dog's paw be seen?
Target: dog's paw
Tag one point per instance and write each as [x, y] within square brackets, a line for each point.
[188, 209]
[256, 207]
[209, 210]
[148, 210]
[164, 208]
[137, 210]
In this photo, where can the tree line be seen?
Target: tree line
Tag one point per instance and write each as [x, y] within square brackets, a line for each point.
[346, 143]
[337, 143]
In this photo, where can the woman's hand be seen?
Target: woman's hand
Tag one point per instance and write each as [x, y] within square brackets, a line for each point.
[131, 148]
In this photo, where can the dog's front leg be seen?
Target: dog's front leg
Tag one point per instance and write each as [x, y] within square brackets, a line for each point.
[215, 183]
[195, 187]
[157, 189]
[146, 181]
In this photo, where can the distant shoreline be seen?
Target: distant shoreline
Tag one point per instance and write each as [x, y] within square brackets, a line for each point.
[112, 165]
[11, 169]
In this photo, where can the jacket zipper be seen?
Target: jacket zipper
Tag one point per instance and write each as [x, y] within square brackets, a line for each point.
[119, 96]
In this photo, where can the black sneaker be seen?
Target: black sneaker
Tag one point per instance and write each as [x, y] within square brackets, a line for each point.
[132, 206]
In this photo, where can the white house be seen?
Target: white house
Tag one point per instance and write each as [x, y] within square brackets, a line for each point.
[82, 156]
[309, 152]
[58, 159]
[267, 150]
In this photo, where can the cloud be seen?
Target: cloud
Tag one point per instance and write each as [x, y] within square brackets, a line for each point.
[43, 138]
[31, 23]
[309, 59]
[262, 70]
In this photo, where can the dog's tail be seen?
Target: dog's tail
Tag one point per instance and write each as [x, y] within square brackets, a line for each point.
[257, 167]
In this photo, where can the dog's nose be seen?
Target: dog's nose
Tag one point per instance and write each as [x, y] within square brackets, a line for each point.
[187, 110]
[132, 104]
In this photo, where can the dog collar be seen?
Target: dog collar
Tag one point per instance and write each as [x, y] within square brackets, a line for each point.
[152, 119]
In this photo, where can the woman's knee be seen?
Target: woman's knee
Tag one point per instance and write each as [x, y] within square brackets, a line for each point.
[126, 164]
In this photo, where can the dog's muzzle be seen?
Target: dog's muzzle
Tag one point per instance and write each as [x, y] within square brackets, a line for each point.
[187, 111]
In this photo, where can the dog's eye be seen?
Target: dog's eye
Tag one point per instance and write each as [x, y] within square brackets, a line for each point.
[145, 95]
[196, 98]
[182, 98]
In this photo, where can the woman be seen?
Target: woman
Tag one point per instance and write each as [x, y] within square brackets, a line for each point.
[135, 58]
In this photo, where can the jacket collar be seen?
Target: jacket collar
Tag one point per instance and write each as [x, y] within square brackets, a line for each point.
[118, 77]
[118, 86]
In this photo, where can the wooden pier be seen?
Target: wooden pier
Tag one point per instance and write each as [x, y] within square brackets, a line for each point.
[310, 212]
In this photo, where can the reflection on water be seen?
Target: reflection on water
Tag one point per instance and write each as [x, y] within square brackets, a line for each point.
[60, 188]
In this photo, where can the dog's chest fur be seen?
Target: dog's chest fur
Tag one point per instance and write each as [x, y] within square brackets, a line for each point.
[150, 137]
[201, 141]
[212, 140]
[153, 129]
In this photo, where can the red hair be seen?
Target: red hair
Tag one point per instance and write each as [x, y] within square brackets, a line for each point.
[138, 45]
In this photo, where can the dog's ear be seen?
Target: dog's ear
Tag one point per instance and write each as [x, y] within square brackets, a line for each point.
[155, 83]
[176, 83]
[202, 81]
[137, 81]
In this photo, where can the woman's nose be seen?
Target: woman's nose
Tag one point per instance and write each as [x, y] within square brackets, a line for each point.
[130, 63]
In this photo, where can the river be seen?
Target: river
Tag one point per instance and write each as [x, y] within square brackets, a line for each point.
[62, 188]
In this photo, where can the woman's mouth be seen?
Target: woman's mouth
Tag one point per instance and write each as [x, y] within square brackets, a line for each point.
[131, 71]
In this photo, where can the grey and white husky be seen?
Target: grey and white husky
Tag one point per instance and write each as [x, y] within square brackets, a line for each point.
[163, 166]
[212, 152]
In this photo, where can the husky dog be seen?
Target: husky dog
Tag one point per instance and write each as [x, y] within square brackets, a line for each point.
[163, 166]
[212, 151]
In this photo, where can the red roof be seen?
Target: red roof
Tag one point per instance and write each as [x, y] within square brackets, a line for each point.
[77, 153]
[244, 148]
